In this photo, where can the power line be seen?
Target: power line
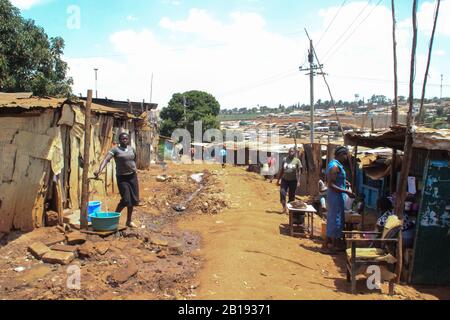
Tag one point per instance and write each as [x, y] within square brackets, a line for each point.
[331, 23]
[348, 28]
[386, 80]
[353, 32]
[260, 83]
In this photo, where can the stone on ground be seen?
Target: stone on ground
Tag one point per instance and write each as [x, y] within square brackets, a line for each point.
[38, 249]
[58, 257]
[124, 274]
[87, 250]
[102, 247]
[51, 218]
[55, 240]
[65, 248]
[75, 238]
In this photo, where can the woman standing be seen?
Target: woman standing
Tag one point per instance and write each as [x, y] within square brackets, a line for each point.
[126, 171]
[289, 178]
[337, 190]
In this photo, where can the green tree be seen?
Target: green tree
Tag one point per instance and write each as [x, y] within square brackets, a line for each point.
[200, 106]
[29, 60]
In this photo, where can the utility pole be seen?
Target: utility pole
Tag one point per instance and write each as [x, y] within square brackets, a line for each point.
[96, 92]
[442, 81]
[312, 68]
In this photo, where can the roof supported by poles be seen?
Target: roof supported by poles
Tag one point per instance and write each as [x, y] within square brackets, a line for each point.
[424, 138]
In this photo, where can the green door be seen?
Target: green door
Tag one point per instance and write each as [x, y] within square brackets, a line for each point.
[432, 247]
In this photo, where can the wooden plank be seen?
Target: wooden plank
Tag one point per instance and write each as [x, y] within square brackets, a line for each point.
[103, 233]
[59, 201]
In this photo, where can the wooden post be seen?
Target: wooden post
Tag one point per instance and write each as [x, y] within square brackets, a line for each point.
[130, 106]
[86, 159]
[395, 108]
[393, 184]
[406, 165]
[355, 167]
[430, 50]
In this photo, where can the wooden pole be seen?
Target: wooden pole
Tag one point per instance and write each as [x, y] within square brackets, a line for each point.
[394, 38]
[130, 106]
[430, 50]
[393, 183]
[355, 168]
[406, 165]
[86, 159]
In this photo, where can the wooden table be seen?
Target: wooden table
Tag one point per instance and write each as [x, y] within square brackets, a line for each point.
[308, 212]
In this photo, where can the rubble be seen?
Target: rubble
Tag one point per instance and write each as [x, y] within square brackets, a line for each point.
[60, 238]
[51, 218]
[162, 255]
[65, 248]
[161, 178]
[34, 274]
[75, 238]
[123, 275]
[149, 258]
[87, 250]
[58, 257]
[176, 249]
[159, 242]
[38, 250]
[102, 247]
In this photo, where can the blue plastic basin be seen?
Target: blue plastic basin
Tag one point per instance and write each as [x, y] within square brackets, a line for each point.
[105, 221]
[94, 207]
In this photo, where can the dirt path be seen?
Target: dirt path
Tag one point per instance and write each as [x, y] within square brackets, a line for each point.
[247, 256]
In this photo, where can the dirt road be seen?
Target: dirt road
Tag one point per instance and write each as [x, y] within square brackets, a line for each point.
[228, 244]
[248, 257]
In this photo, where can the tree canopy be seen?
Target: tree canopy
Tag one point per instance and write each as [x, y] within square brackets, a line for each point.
[29, 59]
[200, 106]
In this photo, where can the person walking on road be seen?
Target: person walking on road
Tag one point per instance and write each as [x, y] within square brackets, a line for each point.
[289, 178]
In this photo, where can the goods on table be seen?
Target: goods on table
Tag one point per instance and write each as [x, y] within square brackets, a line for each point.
[298, 205]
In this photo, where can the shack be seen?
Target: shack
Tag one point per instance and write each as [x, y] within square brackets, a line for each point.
[41, 156]
[428, 262]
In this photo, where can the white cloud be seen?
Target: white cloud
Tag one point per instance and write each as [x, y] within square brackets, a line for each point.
[172, 2]
[25, 4]
[132, 18]
[243, 63]
[426, 18]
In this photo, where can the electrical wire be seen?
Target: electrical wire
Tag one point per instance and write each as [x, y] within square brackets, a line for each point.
[327, 58]
[331, 23]
[348, 28]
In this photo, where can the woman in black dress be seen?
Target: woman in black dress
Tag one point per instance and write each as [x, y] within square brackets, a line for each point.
[126, 171]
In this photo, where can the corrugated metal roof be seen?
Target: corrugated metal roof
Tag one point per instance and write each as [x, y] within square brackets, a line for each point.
[424, 138]
[13, 101]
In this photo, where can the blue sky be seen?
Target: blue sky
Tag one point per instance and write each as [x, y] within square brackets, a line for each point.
[244, 52]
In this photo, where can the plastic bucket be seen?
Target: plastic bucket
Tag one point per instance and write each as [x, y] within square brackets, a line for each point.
[94, 207]
[105, 221]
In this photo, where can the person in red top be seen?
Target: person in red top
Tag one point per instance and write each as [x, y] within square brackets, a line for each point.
[272, 166]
